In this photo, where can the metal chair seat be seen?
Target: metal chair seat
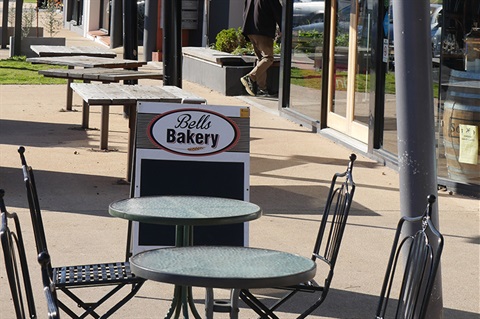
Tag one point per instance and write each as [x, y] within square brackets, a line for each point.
[96, 274]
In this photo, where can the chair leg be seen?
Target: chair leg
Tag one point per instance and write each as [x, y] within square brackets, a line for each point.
[256, 305]
[88, 310]
[90, 307]
[283, 300]
[119, 304]
[67, 310]
[312, 308]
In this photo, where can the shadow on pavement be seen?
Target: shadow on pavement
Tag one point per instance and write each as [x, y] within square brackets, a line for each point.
[64, 192]
[341, 304]
[300, 200]
[27, 133]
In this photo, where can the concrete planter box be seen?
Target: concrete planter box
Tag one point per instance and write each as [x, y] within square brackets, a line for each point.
[33, 32]
[28, 41]
[222, 71]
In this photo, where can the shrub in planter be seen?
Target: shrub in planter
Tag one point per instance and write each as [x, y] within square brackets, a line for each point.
[233, 41]
[228, 40]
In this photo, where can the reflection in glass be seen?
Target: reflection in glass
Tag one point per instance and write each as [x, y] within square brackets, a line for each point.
[458, 95]
[363, 79]
[340, 61]
[306, 70]
[390, 119]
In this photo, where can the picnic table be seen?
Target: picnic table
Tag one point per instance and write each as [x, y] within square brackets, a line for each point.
[61, 50]
[85, 62]
[88, 62]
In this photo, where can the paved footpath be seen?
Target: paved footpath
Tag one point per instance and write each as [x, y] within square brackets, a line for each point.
[290, 173]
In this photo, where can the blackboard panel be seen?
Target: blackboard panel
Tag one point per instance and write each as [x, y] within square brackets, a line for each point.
[200, 178]
[161, 235]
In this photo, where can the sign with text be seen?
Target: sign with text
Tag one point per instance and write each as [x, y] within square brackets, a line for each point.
[191, 149]
[192, 132]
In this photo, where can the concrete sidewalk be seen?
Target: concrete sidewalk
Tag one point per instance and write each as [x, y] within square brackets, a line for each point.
[290, 173]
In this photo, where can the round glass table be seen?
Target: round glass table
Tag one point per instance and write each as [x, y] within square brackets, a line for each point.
[184, 212]
[222, 267]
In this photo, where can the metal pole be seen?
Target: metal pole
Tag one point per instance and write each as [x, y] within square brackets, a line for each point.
[130, 34]
[116, 24]
[172, 42]
[150, 29]
[5, 24]
[415, 117]
[17, 45]
[286, 56]
[206, 16]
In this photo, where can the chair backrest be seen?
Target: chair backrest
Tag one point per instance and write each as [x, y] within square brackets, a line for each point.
[16, 264]
[334, 219]
[33, 204]
[419, 254]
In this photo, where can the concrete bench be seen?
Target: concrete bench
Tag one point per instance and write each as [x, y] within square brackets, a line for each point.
[222, 71]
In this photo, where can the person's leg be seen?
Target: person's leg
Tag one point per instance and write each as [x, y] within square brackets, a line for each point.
[248, 80]
[263, 47]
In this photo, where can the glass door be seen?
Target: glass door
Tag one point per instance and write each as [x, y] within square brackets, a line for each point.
[349, 78]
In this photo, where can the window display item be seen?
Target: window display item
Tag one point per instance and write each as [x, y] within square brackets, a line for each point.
[472, 50]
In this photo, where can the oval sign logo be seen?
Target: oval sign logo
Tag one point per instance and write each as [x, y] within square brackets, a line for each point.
[193, 132]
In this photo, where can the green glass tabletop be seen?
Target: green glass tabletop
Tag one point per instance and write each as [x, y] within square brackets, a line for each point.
[185, 210]
[223, 267]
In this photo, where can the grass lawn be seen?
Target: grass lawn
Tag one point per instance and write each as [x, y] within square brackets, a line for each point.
[313, 79]
[17, 70]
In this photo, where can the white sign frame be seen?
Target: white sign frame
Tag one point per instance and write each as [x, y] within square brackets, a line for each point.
[157, 152]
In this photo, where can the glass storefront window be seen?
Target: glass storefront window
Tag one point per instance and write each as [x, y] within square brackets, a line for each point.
[456, 85]
[459, 91]
[350, 79]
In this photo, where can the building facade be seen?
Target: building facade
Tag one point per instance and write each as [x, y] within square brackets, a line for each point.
[338, 75]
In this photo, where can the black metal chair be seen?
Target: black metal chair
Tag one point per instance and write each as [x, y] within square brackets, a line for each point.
[16, 264]
[69, 278]
[418, 257]
[326, 248]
